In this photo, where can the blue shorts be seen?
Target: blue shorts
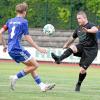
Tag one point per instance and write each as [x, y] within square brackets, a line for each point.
[98, 35]
[20, 55]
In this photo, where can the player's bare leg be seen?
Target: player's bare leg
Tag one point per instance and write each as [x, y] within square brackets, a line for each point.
[44, 87]
[31, 66]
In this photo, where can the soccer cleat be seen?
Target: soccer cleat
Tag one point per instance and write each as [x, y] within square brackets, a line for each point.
[47, 87]
[12, 82]
[77, 88]
[56, 58]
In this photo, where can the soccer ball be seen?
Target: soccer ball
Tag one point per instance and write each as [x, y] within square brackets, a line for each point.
[48, 29]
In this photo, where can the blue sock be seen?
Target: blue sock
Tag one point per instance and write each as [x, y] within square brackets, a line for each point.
[21, 74]
[37, 79]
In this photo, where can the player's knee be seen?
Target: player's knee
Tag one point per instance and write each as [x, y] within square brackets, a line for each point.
[73, 47]
[82, 70]
[36, 65]
[33, 68]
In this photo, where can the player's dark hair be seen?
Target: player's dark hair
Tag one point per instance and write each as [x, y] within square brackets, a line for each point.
[20, 8]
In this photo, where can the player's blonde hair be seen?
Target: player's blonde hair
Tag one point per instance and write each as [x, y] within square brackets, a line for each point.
[82, 13]
[20, 8]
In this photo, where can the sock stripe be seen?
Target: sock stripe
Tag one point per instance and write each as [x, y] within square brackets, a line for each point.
[21, 74]
[37, 79]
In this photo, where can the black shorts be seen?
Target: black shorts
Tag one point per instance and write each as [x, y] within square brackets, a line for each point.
[87, 54]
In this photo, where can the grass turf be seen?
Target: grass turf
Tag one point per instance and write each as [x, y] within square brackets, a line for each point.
[64, 77]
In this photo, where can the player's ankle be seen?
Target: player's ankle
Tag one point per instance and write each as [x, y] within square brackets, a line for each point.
[15, 77]
[41, 85]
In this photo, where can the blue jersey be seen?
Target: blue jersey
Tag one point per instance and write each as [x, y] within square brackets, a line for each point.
[17, 27]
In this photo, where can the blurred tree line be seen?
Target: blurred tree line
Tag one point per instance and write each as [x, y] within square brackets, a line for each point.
[60, 13]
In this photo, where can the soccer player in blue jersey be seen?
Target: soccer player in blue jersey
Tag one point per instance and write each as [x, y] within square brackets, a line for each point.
[18, 27]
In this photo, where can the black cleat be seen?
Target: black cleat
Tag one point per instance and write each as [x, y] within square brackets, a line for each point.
[77, 88]
[56, 58]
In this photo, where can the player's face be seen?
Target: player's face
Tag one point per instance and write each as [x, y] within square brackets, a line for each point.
[81, 20]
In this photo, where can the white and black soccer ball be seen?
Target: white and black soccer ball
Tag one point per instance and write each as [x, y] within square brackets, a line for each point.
[48, 29]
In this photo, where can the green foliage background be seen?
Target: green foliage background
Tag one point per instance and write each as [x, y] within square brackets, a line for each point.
[60, 13]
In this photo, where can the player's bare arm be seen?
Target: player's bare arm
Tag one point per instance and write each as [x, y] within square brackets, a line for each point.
[94, 29]
[2, 30]
[33, 44]
[69, 42]
[4, 44]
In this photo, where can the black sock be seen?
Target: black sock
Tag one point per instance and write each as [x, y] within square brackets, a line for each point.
[81, 78]
[66, 54]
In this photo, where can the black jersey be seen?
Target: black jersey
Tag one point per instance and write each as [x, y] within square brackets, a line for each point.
[86, 39]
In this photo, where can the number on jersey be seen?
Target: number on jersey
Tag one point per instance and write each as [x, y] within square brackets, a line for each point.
[13, 32]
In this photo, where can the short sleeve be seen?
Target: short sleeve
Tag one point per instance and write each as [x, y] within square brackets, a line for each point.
[25, 28]
[90, 25]
[75, 34]
[6, 25]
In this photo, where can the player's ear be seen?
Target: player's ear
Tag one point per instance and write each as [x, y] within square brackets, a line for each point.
[24, 13]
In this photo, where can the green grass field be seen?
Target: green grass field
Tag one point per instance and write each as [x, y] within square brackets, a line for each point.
[64, 77]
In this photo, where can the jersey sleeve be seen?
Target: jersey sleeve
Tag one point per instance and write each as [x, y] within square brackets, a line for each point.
[25, 28]
[75, 34]
[91, 25]
[5, 27]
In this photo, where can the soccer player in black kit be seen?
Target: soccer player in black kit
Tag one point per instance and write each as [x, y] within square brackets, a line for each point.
[86, 48]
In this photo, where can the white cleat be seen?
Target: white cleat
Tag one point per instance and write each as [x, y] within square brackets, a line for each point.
[12, 82]
[47, 87]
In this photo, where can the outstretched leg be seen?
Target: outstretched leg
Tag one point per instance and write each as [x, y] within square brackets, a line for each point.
[66, 53]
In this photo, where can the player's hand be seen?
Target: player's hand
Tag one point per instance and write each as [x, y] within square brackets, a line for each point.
[84, 29]
[5, 49]
[42, 50]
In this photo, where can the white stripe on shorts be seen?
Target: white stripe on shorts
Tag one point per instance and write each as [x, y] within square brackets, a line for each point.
[28, 59]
